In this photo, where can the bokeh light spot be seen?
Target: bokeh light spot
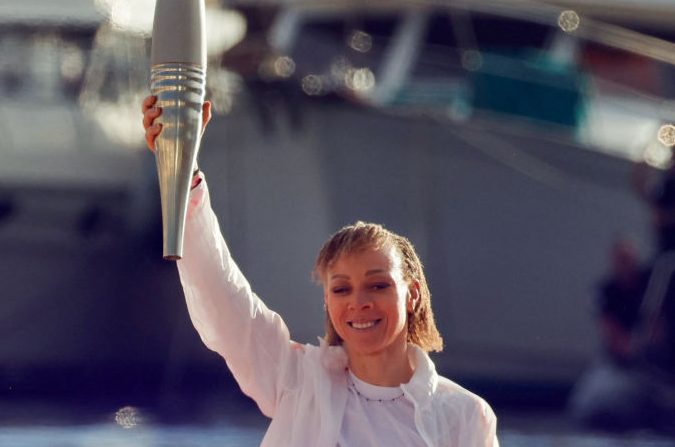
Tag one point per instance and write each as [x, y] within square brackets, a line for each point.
[284, 67]
[312, 85]
[127, 417]
[360, 41]
[360, 80]
[568, 21]
[472, 60]
[666, 135]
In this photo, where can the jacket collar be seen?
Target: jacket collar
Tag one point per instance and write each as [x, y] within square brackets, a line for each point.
[424, 381]
[422, 385]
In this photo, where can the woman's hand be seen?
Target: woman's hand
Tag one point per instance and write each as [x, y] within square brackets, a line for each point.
[150, 113]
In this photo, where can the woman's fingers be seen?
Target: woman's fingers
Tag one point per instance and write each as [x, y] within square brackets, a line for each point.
[148, 102]
[206, 114]
[149, 116]
[151, 112]
[151, 134]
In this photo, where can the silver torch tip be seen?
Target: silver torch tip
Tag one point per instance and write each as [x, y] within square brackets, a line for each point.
[179, 33]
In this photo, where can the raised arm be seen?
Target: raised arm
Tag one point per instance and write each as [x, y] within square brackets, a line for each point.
[229, 317]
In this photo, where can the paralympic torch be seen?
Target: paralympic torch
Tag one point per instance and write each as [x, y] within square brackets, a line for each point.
[178, 79]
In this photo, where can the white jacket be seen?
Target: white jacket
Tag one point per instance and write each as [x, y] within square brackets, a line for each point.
[302, 388]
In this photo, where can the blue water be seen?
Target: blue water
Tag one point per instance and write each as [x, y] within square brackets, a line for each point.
[112, 435]
[241, 425]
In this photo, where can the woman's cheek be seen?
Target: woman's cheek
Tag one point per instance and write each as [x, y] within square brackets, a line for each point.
[333, 315]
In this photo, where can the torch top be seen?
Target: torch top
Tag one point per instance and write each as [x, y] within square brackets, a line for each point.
[178, 33]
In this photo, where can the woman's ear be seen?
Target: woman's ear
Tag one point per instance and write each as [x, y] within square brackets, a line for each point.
[413, 296]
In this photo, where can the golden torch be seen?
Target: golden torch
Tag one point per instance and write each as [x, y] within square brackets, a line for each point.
[178, 79]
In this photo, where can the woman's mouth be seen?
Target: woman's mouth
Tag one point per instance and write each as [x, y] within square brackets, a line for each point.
[363, 324]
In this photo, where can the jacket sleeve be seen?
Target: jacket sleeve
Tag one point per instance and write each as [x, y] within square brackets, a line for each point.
[483, 426]
[230, 319]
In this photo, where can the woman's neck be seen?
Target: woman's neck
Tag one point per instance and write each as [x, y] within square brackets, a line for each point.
[389, 368]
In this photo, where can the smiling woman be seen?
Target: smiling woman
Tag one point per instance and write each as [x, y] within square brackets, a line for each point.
[372, 383]
[367, 300]
[421, 329]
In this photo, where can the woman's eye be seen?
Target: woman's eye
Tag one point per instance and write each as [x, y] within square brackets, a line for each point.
[380, 286]
[340, 290]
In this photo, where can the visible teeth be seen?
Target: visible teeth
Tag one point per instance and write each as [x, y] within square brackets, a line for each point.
[363, 325]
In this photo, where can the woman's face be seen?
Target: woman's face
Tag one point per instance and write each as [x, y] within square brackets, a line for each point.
[367, 299]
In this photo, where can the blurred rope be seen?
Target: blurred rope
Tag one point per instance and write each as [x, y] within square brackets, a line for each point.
[590, 29]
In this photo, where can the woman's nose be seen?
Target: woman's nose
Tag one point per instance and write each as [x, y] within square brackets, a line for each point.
[362, 300]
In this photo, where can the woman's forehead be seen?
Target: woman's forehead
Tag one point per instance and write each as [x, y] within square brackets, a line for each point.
[386, 257]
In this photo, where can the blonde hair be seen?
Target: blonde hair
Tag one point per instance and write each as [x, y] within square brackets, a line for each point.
[362, 235]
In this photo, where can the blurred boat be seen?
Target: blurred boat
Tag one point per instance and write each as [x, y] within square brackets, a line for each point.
[499, 136]
[74, 185]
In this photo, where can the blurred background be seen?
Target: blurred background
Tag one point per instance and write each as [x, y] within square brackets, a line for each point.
[523, 146]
